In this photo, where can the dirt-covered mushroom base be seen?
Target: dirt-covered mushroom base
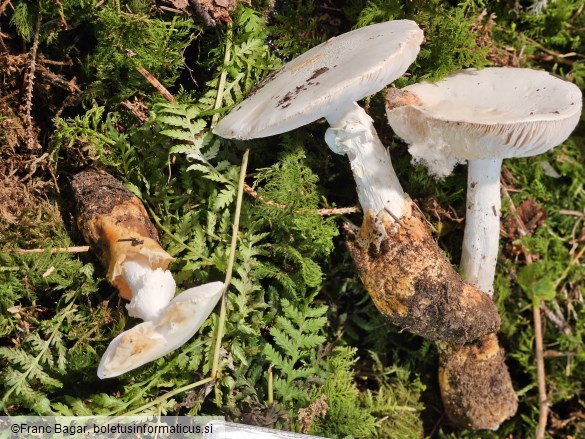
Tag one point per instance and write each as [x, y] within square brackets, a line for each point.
[414, 285]
[115, 222]
[476, 388]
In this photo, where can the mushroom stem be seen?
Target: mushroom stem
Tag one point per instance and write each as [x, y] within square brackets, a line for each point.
[352, 133]
[482, 224]
[409, 279]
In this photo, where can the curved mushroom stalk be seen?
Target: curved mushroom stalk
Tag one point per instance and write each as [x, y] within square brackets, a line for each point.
[115, 223]
[408, 278]
[414, 285]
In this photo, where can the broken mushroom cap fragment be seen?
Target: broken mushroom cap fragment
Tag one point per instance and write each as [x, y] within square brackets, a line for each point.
[483, 116]
[114, 222]
[150, 340]
[325, 82]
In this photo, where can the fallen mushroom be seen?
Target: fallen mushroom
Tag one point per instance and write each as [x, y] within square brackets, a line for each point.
[483, 117]
[115, 223]
[408, 278]
[151, 340]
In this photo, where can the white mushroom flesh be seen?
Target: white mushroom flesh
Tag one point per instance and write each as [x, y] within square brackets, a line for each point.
[152, 290]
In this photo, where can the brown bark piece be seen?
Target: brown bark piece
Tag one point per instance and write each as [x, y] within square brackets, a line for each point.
[476, 387]
[220, 9]
[414, 285]
[114, 221]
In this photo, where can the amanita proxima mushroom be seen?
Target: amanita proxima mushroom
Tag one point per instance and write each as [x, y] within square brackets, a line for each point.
[408, 277]
[481, 117]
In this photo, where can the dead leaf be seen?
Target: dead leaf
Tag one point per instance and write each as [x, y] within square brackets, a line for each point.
[180, 4]
[317, 409]
[531, 214]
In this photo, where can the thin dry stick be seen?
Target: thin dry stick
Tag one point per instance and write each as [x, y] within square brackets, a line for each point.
[557, 320]
[81, 249]
[173, 10]
[3, 6]
[168, 395]
[230, 267]
[156, 84]
[30, 85]
[543, 403]
[571, 212]
[322, 212]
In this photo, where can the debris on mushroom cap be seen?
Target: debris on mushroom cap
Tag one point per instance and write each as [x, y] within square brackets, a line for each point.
[340, 71]
[150, 340]
[114, 221]
[482, 114]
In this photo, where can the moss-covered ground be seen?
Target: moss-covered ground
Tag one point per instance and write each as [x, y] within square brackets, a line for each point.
[304, 348]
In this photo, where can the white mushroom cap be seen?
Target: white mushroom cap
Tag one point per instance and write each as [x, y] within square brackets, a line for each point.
[493, 113]
[175, 325]
[342, 70]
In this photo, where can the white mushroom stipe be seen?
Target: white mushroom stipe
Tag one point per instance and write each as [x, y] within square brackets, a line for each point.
[152, 290]
[352, 133]
[482, 224]
[150, 340]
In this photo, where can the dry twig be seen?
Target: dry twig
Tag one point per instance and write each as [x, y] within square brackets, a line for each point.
[156, 84]
[322, 212]
[543, 403]
[3, 6]
[79, 249]
[30, 85]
